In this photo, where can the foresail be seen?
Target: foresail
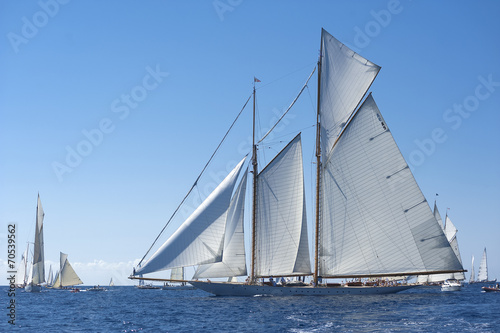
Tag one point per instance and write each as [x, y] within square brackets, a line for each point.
[374, 218]
[233, 261]
[199, 240]
[281, 226]
[345, 78]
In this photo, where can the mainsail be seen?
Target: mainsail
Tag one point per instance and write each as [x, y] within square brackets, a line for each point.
[281, 226]
[450, 232]
[375, 220]
[67, 275]
[200, 238]
[38, 273]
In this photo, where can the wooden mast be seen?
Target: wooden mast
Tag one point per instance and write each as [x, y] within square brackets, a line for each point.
[318, 167]
[254, 198]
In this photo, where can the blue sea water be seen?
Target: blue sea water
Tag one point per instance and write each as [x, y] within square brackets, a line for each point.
[128, 309]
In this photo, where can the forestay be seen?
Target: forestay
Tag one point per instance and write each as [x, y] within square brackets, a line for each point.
[281, 226]
[374, 218]
[200, 238]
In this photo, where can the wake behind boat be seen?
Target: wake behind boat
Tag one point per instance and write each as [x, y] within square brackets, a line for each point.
[371, 218]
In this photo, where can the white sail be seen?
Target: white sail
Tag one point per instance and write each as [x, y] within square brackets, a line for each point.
[374, 218]
[482, 274]
[67, 275]
[111, 283]
[22, 273]
[233, 262]
[177, 273]
[50, 277]
[200, 239]
[451, 235]
[472, 273]
[56, 279]
[438, 216]
[38, 272]
[281, 226]
[345, 79]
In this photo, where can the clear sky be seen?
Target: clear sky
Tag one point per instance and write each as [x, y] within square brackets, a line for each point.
[111, 109]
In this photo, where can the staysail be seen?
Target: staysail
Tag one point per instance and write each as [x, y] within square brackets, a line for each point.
[375, 220]
[233, 262]
[281, 226]
[200, 238]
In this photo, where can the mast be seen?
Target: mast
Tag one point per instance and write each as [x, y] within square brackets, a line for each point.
[318, 169]
[254, 197]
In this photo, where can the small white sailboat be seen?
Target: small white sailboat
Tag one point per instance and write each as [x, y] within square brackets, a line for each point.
[482, 274]
[372, 221]
[177, 274]
[36, 275]
[67, 276]
[111, 283]
[472, 278]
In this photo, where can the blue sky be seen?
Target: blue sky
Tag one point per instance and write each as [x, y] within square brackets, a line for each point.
[110, 110]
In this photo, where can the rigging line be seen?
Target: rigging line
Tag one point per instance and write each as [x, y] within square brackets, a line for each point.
[284, 76]
[296, 98]
[196, 181]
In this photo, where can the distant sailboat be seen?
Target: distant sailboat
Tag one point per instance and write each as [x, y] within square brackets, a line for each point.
[111, 283]
[22, 271]
[372, 220]
[451, 234]
[177, 274]
[67, 275]
[482, 274]
[472, 274]
[36, 275]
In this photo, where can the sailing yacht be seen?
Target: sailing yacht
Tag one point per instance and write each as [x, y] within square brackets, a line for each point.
[36, 276]
[482, 274]
[66, 276]
[371, 221]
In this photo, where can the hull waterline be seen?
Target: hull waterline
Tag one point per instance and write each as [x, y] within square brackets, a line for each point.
[240, 289]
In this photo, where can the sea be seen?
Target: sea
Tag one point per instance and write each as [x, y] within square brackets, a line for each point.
[129, 309]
